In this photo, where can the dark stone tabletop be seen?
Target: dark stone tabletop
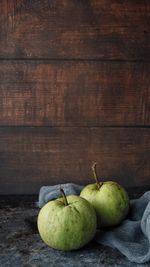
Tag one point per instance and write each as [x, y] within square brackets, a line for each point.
[21, 245]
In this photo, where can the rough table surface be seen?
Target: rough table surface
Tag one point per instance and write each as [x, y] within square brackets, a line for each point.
[20, 244]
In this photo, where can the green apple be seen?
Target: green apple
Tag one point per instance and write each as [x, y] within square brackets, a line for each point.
[109, 199]
[67, 223]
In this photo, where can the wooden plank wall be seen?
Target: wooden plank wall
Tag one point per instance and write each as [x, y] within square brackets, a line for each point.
[74, 89]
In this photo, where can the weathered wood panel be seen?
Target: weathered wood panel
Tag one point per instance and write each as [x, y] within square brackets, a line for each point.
[36, 156]
[105, 29]
[74, 93]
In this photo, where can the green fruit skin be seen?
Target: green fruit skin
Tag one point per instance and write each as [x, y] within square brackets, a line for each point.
[67, 227]
[110, 201]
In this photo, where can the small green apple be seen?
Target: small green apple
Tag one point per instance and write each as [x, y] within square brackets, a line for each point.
[109, 199]
[67, 223]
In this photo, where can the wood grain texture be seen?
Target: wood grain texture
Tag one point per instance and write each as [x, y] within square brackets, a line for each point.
[74, 93]
[36, 156]
[90, 29]
[68, 68]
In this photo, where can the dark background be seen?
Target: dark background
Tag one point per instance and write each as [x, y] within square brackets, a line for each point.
[74, 89]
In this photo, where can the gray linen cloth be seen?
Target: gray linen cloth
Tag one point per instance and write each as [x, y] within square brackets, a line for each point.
[131, 237]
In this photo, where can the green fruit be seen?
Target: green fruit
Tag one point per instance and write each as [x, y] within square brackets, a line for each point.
[67, 223]
[109, 199]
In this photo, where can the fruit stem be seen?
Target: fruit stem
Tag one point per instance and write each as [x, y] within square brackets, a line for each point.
[64, 197]
[95, 176]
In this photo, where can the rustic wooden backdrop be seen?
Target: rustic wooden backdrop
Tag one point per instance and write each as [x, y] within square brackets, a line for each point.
[74, 89]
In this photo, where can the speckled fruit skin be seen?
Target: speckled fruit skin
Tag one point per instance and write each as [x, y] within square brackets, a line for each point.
[67, 227]
[110, 201]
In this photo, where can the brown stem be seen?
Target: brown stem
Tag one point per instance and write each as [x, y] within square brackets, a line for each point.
[99, 184]
[64, 197]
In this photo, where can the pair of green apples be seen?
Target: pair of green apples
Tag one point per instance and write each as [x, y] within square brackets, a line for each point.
[68, 223]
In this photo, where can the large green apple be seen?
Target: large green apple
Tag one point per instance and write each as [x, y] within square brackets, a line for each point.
[109, 199]
[67, 223]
